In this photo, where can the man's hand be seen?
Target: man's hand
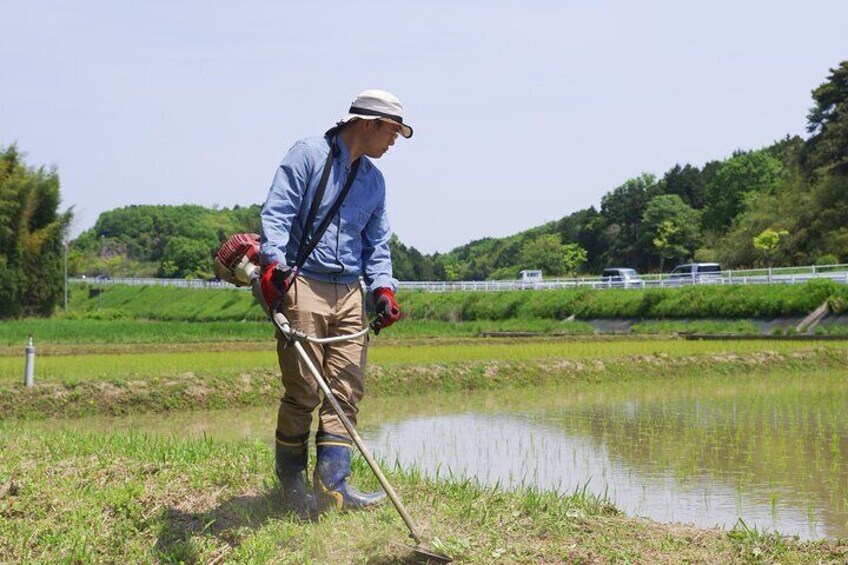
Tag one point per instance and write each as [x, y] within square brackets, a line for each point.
[275, 283]
[388, 311]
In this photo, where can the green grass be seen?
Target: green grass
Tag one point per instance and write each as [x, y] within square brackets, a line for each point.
[131, 498]
[86, 384]
[700, 301]
[70, 369]
[739, 327]
[71, 331]
[696, 302]
[408, 328]
[81, 331]
[162, 303]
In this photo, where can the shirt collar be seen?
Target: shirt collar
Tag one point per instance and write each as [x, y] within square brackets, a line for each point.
[344, 153]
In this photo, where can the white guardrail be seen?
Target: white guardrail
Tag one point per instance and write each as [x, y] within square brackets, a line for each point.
[782, 275]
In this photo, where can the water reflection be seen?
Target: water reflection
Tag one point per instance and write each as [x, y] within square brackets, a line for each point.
[514, 451]
[767, 448]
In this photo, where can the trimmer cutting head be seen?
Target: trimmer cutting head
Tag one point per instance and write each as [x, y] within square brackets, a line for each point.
[426, 554]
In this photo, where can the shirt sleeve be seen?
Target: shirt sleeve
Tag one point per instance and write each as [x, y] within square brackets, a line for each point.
[376, 256]
[283, 203]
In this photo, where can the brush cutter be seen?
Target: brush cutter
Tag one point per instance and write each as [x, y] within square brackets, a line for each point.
[240, 270]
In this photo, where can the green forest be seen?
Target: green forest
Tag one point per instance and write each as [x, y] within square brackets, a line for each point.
[781, 205]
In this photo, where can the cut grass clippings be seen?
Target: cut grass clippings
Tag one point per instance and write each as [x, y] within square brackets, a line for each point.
[133, 498]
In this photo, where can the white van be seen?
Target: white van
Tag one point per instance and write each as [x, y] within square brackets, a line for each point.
[530, 276]
[696, 273]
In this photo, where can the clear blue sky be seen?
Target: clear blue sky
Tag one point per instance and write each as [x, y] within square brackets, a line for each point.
[523, 111]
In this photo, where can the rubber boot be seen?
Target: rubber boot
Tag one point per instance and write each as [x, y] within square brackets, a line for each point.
[331, 473]
[292, 457]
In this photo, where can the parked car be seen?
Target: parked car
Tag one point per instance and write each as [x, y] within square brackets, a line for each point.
[621, 277]
[530, 275]
[530, 279]
[696, 273]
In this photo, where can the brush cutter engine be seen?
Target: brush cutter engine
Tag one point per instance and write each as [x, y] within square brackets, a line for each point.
[237, 261]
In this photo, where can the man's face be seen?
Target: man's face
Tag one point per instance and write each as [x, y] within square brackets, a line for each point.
[381, 136]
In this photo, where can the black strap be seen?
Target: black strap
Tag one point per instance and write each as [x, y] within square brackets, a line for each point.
[367, 112]
[309, 241]
[316, 200]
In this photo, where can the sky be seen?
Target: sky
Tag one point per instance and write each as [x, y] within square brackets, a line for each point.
[524, 111]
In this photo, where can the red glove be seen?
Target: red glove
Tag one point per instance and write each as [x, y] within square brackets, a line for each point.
[275, 283]
[388, 311]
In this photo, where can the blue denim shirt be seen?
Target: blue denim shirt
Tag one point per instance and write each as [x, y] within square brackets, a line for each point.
[356, 242]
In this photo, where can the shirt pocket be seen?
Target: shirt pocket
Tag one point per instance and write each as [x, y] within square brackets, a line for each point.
[355, 217]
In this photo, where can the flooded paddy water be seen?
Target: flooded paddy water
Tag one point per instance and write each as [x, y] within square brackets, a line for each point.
[770, 448]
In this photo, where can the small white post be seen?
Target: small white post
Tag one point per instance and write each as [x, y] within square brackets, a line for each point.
[29, 371]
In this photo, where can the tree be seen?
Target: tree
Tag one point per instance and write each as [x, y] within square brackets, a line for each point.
[186, 258]
[31, 236]
[548, 253]
[768, 241]
[828, 122]
[582, 227]
[687, 182]
[739, 176]
[408, 264]
[622, 211]
[671, 227]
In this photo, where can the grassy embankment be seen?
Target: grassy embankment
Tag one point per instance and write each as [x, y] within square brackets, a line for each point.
[81, 498]
[461, 313]
[164, 315]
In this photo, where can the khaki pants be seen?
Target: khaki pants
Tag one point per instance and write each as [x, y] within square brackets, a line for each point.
[322, 309]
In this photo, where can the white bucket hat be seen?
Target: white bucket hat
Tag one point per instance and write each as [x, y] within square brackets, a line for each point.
[377, 105]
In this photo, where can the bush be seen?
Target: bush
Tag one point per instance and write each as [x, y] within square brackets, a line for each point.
[828, 259]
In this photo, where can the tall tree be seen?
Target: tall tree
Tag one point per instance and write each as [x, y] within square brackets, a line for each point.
[31, 236]
[670, 227]
[734, 181]
[686, 182]
[548, 253]
[622, 211]
[828, 122]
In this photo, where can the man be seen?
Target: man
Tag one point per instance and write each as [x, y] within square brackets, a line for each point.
[320, 293]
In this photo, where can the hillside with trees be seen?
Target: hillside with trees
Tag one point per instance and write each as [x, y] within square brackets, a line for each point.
[784, 204]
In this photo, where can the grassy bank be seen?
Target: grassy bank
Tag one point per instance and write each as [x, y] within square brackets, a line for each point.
[124, 383]
[79, 498]
[73, 331]
[694, 302]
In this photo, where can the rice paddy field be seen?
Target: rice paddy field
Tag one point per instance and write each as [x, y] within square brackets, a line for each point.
[71, 363]
[136, 445]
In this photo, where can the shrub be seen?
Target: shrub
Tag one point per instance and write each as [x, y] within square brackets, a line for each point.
[828, 259]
